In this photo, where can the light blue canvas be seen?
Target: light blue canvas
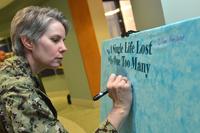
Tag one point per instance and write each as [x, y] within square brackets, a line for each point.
[163, 65]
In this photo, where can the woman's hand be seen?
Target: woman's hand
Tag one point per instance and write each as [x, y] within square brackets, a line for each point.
[120, 92]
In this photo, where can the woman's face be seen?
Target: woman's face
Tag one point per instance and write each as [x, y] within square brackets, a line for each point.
[49, 50]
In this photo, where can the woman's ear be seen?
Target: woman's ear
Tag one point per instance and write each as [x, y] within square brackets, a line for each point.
[26, 42]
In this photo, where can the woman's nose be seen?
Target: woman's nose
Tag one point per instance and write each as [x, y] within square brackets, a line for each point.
[63, 48]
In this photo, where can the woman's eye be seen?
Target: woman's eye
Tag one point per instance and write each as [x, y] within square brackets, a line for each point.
[55, 40]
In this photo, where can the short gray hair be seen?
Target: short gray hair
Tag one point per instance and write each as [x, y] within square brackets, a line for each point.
[32, 22]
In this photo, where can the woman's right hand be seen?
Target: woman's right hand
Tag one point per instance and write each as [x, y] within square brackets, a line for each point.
[119, 89]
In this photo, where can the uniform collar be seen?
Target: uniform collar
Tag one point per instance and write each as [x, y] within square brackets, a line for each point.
[18, 65]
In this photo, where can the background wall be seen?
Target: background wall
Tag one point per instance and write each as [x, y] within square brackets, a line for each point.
[147, 13]
[175, 10]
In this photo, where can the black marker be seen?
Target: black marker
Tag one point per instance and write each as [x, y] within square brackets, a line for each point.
[101, 94]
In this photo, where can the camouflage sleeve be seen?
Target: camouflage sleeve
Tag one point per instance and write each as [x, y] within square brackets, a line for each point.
[106, 127]
[28, 113]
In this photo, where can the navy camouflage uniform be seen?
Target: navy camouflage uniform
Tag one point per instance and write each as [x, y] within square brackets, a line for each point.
[24, 107]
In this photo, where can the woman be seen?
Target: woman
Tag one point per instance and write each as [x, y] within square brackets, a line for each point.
[37, 36]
